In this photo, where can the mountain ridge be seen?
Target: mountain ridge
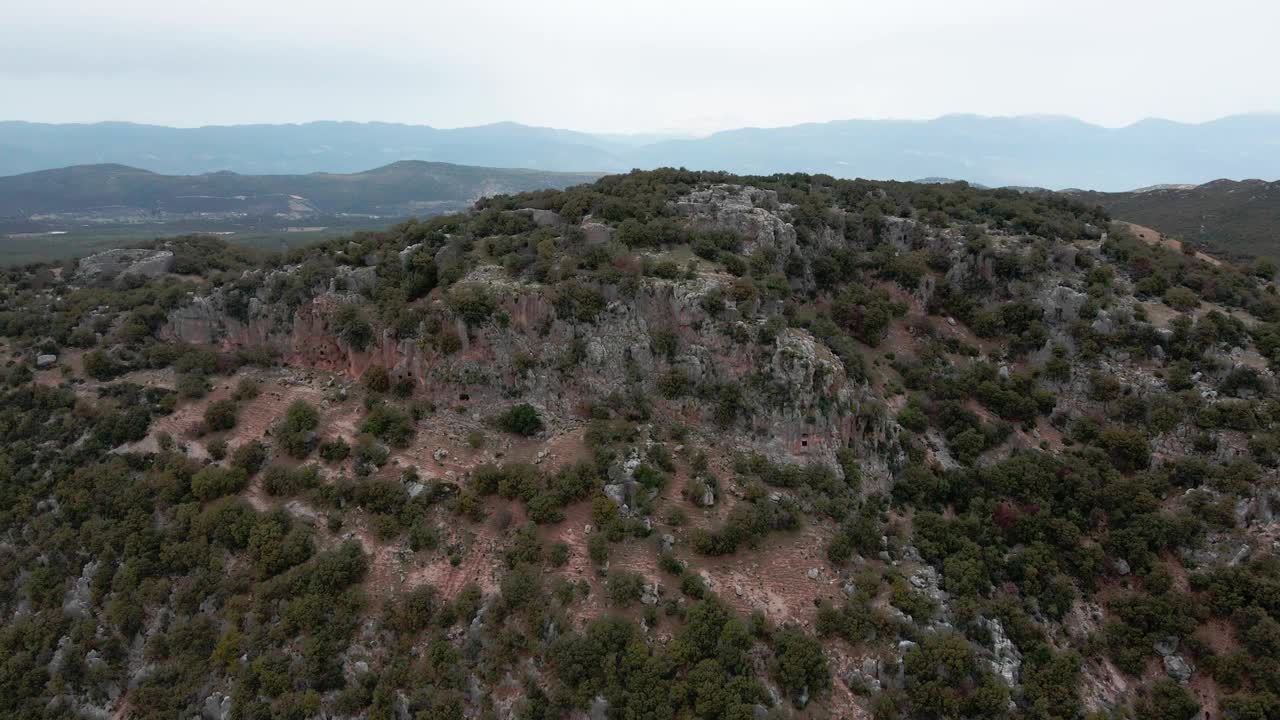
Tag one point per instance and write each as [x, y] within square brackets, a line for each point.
[1032, 150]
[396, 189]
[1235, 217]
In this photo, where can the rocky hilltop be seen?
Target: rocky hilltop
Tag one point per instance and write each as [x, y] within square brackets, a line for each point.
[673, 444]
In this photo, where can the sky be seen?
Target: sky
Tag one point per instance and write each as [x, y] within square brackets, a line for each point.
[684, 66]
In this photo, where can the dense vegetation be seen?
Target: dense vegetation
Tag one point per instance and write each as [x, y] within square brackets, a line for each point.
[1232, 218]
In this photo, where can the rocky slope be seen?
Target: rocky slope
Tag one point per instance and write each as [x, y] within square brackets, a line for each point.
[674, 444]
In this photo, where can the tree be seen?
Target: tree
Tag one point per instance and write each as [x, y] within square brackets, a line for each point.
[799, 665]
[296, 433]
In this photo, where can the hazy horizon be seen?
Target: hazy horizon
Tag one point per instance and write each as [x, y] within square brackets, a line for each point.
[661, 67]
[656, 132]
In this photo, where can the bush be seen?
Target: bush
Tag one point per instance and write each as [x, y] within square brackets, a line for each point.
[598, 548]
[280, 480]
[353, 328]
[99, 365]
[376, 379]
[523, 419]
[214, 482]
[247, 389]
[249, 457]
[193, 386]
[1181, 299]
[624, 587]
[335, 450]
[1168, 701]
[220, 416]
[1127, 447]
[389, 424]
[472, 302]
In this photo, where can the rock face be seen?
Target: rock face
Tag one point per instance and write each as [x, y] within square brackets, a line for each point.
[120, 261]
[746, 211]
[1062, 303]
[216, 707]
[1006, 660]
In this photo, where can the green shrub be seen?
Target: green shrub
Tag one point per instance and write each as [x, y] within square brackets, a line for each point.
[214, 481]
[335, 450]
[220, 415]
[376, 379]
[522, 419]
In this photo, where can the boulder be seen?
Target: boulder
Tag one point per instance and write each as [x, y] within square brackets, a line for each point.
[407, 254]
[1178, 668]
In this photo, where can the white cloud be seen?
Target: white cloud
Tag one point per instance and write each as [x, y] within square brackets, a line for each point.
[632, 66]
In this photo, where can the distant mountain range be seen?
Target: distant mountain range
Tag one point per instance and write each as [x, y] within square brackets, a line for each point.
[1045, 151]
[1230, 217]
[111, 193]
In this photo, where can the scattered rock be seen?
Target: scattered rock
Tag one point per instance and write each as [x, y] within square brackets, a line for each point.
[1240, 555]
[651, 594]
[1178, 668]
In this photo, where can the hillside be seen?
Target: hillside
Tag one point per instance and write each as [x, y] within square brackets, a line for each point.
[1234, 218]
[669, 445]
[104, 193]
[1032, 151]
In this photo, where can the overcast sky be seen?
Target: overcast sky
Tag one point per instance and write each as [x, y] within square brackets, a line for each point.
[623, 66]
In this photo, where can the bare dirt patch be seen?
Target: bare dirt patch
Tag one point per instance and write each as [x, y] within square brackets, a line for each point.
[1154, 237]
